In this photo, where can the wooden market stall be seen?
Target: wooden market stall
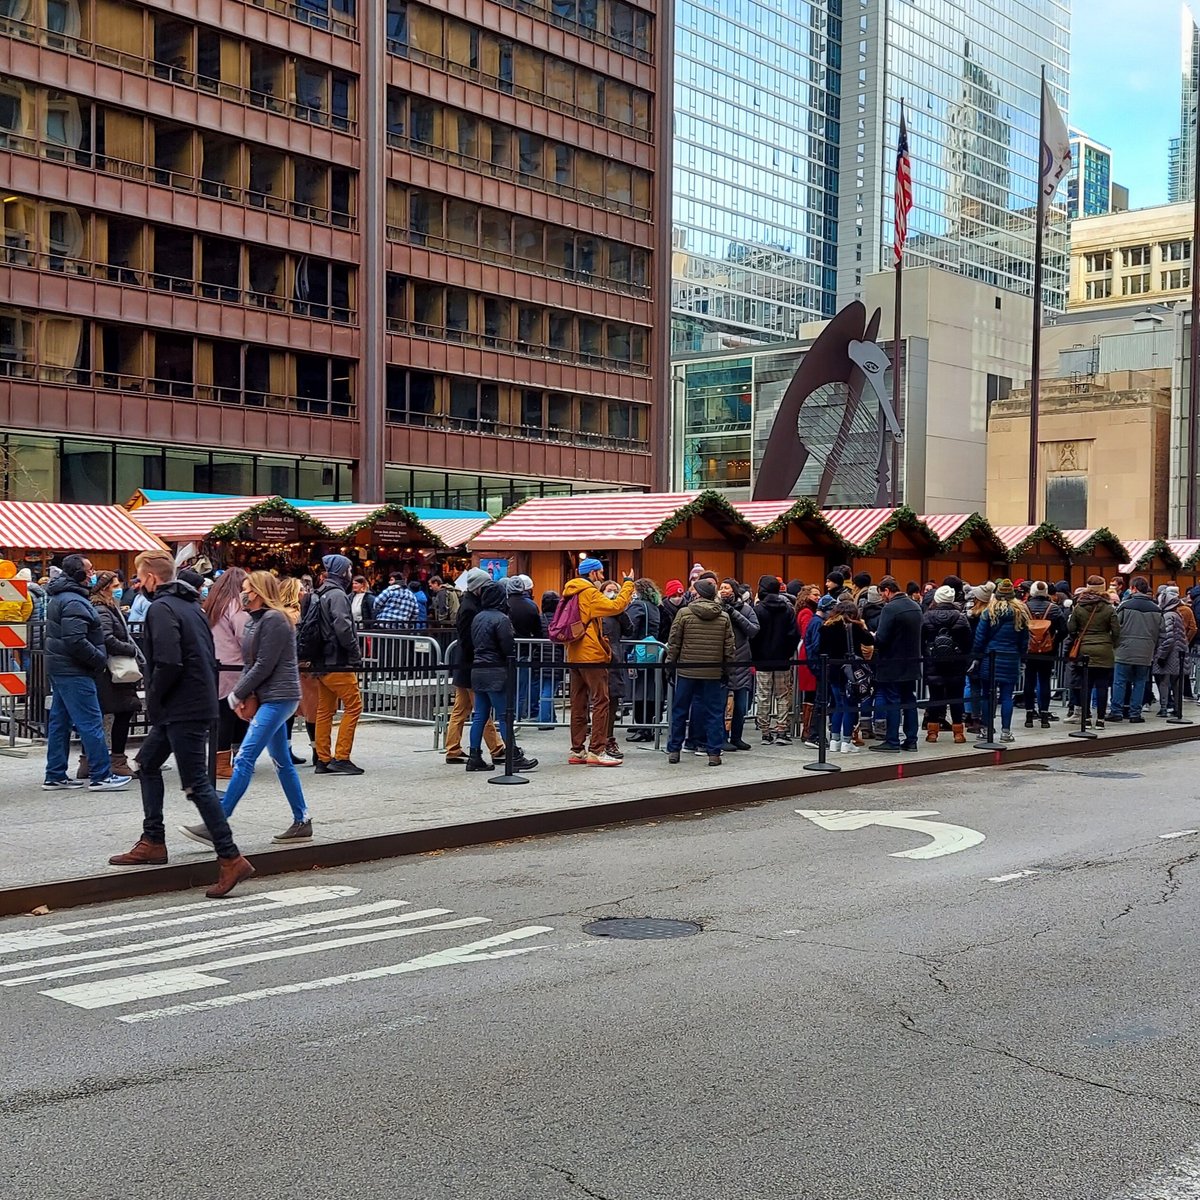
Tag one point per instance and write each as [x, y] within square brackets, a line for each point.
[968, 548]
[661, 536]
[794, 541]
[1036, 552]
[34, 534]
[249, 531]
[885, 541]
[379, 538]
[1095, 552]
[1187, 550]
[1152, 558]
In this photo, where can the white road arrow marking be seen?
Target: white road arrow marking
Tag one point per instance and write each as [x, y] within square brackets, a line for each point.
[1167, 837]
[1010, 877]
[947, 839]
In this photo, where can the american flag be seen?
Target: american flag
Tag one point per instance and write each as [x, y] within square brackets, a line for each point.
[904, 194]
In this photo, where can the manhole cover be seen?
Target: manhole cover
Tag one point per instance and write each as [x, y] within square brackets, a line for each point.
[641, 928]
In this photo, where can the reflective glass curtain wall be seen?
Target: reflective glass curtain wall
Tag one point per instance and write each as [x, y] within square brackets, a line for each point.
[756, 169]
[970, 76]
[1182, 148]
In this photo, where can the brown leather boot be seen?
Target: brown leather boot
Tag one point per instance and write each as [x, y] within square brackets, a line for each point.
[144, 854]
[232, 872]
[932, 730]
[224, 764]
[960, 735]
[122, 766]
[806, 722]
[856, 738]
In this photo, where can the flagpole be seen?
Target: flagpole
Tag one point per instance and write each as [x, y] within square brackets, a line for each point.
[895, 472]
[1193, 458]
[1035, 382]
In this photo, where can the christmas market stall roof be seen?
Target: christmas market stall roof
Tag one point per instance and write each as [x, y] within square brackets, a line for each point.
[865, 529]
[1186, 550]
[100, 528]
[221, 517]
[1143, 552]
[606, 521]
[386, 522]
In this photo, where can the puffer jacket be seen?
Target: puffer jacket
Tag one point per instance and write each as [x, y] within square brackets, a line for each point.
[269, 652]
[1093, 613]
[492, 640]
[997, 634]
[702, 633]
[594, 606]
[1141, 622]
[744, 620]
[74, 636]
[950, 617]
[1172, 640]
[774, 646]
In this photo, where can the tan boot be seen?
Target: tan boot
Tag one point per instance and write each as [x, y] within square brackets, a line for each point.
[84, 771]
[232, 872]
[856, 738]
[932, 730]
[122, 766]
[224, 764]
[960, 735]
[144, 854]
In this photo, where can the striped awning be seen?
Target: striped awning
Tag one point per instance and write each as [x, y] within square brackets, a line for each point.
[1011, 536]
[946, 525]
[605, 521]
[456, 531]
[100, 528]
[1185, 550]
[341, 517]
[1077, 539]
[193, 520]
[761, 513]
[1138, 550]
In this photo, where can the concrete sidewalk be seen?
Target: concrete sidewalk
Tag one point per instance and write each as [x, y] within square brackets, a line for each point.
[410, 801]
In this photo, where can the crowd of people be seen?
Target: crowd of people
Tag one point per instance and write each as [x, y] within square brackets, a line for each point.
[836, 663]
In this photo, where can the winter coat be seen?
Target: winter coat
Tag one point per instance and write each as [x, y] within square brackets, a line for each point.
[1193, 601]
[832, 641]
[645, 619]
[898, 642]
[617, 629]
[1103, 634]
[949, 617]
[870, 606]
[181, 665]
[37, 594]
[1189, 621]
[422, 606]
[1172, 641]
[997, 634]
[702, 633]
[1141, 622]
[812, 642]
[74, 637]
[443, 606]
[806, 680]
[116, 697]
[1042, 608]
[774, 646]
[340, 650]
[463, 654]
[17, 612]
[526, 618]
[492, 640]
[594, 606]
[228, 630]
[269, 652]
[744, 620]
[362, 606]
[668, 610]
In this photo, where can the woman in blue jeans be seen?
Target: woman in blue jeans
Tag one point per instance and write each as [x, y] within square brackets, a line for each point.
[842, 638]
[271, 675]
[1002, 638]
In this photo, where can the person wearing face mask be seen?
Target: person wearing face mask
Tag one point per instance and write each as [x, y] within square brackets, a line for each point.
[271, 676]
[118, 701]
[227, 619]
[618, 628]
[75, 656]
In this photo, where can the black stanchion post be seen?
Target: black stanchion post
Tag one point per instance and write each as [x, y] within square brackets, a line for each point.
[214, 734]
[510, 719]
[821, 713]
[988, 740]
[1085, 704]
[1177, 717]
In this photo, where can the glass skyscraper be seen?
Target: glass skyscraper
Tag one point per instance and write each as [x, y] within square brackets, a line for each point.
[787, 116]
[1089, 181]
[1183, 147]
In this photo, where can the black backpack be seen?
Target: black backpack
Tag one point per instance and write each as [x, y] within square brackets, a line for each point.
[943, 646]
[310, 634]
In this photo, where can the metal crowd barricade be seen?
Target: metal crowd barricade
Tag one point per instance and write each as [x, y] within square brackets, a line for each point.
[403, 678]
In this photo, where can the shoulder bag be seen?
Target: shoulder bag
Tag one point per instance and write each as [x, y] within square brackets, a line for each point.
[857, 675]
[1077, 644]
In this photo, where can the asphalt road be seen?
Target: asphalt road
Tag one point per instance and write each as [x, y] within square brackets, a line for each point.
[848, 1024]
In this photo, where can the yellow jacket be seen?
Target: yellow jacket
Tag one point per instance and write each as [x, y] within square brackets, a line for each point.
[593, 647]
[15, 612]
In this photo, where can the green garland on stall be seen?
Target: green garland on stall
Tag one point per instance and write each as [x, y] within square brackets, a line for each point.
[274, 504]
[976, 524]
[804, 510]
[902, 518]
[1160, 549]
[1050, 533]
[395, 510]
[703, 504]
[1104, 537]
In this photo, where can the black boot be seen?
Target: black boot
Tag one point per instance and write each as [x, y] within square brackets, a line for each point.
[1029, 719]
[475, 761]
[1045, 720]
[524, 763]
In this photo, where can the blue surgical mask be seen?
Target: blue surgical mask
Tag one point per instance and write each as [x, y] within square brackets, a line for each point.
[204, 593]
[117, 593]
[92, 580]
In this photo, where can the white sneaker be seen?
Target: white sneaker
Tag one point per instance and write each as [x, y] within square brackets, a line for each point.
[606, 760]
[847, 748]
[114, 783]
[835, 745]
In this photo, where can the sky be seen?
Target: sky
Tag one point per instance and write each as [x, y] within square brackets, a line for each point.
[1125, 76]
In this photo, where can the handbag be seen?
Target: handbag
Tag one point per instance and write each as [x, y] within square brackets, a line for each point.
[124, 668]
[857, 675]
[1077, 644]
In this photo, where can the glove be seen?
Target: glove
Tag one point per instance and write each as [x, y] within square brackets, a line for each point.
[232, 700]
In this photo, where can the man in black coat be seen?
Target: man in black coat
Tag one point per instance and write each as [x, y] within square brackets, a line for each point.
[335, 665]
[75, 657]
[181, 706]
[773, 648]
[462, 659]
[897, 664]
[526, 620]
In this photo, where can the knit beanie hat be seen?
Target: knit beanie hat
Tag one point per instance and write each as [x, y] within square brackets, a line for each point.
[1039, 589]
[1096, 584]
[862, 579]
[825, 603]
[1005, 590]
[705, 589]
[672, 589]
[695, 573]
[768, 585]
[944, 595]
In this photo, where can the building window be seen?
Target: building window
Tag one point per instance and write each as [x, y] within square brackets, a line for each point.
[1135, 285]
[1172, 281]
[1136, 256]
[1101, 260]
[1097, 289]
[1177, 251]
[1067, 501]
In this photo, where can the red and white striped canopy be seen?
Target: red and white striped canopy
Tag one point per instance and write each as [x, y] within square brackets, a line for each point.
[761, 513]
[1138, 550]
[456, 531]
[1012, 536]
[193, 520]
[1184, 549]
[857, 525]
[946, 525]
[34, 525]
[607, 521]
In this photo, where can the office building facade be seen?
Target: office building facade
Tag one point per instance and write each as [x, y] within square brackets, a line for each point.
[1182, 149]
[261, 247]
[1090, 188]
